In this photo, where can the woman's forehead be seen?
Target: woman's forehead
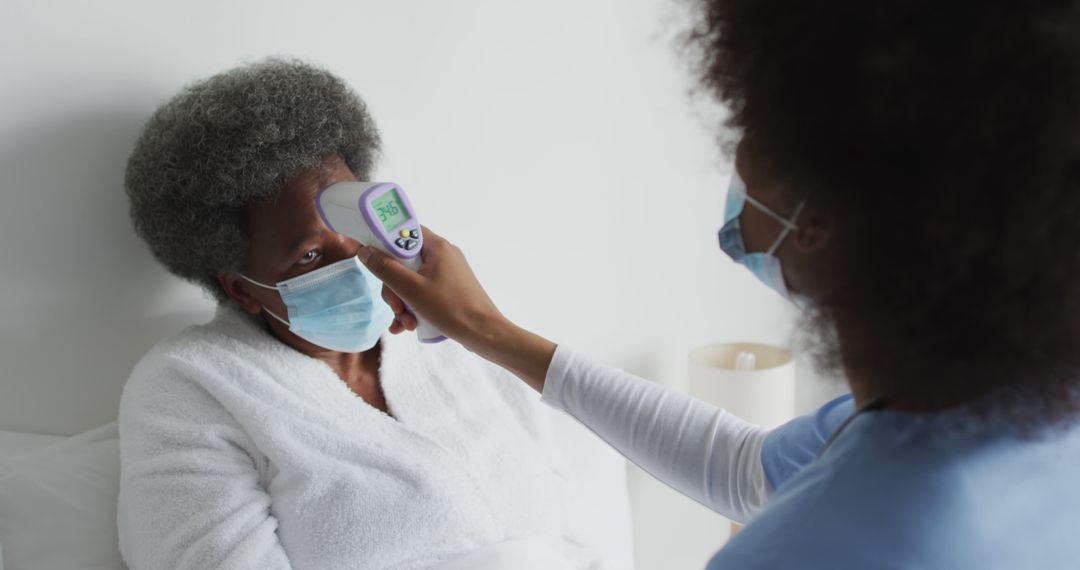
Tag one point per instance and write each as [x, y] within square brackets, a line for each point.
[292, 212]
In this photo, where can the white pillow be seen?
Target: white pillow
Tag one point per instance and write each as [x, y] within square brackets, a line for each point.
[58, 504]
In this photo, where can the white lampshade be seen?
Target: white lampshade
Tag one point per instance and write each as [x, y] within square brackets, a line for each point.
[764, 395]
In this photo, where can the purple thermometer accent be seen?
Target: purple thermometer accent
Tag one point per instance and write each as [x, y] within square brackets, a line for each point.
[392, 240]
[388, 239]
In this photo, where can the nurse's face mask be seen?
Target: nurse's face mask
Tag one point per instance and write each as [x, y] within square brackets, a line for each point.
[338, 307]
[763, 264]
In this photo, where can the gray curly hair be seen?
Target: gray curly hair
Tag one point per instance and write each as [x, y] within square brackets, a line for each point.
[228, 141]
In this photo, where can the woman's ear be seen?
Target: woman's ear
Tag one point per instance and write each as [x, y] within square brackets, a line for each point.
[813, 232]
[238, 291]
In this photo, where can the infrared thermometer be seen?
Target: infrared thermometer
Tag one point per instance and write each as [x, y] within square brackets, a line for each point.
[378, 215]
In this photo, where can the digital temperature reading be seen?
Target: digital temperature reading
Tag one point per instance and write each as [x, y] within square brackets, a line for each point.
[390, 210]
[381, 216]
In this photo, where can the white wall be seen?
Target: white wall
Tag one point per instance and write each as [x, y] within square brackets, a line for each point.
[554, 141]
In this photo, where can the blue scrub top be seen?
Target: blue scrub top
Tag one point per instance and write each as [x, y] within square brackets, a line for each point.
[914, 491]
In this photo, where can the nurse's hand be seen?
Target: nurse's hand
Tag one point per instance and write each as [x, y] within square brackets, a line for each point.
[447, 294]
[445, 291]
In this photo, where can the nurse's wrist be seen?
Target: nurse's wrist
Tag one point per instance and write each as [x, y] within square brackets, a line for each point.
[521, 351]
[484, 332]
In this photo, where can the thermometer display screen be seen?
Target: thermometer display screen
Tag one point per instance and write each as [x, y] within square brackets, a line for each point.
[390, 210]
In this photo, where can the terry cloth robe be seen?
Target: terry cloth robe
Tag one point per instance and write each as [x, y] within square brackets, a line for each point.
[238, 451]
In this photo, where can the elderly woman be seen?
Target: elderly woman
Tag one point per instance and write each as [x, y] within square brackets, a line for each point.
[273, 436]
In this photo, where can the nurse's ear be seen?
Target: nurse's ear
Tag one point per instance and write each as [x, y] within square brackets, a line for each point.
[813, 232]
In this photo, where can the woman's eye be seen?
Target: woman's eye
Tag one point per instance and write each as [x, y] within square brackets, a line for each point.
[308, 257]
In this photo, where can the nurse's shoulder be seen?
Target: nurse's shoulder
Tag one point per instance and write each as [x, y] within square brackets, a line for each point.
[923, 491]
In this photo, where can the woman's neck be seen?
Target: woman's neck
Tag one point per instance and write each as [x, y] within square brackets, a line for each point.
[360, 372]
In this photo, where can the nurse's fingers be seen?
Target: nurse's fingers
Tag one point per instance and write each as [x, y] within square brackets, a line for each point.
[444, 290]
[391, 298]
[392, 273]
[403, 320]
[407, 320]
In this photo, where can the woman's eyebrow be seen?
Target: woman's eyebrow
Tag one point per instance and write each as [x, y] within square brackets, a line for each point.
[301, 241]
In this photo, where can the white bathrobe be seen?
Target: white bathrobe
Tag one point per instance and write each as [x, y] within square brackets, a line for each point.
[237, 451]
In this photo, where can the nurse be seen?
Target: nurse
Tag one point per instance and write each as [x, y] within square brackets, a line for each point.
[909, 173]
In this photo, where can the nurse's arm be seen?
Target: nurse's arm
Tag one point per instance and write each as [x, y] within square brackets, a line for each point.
[447, 294]
[700, 450]
[706, 453]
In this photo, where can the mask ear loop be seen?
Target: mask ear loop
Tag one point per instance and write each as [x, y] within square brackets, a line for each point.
[271, 313]
[254, 282]
[789, 225]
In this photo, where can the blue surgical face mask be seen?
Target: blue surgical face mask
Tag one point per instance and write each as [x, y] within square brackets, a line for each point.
[338, 307]
[763, 264]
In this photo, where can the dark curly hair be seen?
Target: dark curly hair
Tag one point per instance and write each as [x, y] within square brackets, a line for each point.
[231, 140]
[943, 139]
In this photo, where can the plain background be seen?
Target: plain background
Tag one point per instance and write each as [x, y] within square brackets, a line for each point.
[556, 142]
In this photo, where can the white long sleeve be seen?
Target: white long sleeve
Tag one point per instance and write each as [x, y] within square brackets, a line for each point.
[698, 449]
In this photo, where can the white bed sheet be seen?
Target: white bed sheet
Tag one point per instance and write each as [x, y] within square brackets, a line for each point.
[58, 500]
[17, 443]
